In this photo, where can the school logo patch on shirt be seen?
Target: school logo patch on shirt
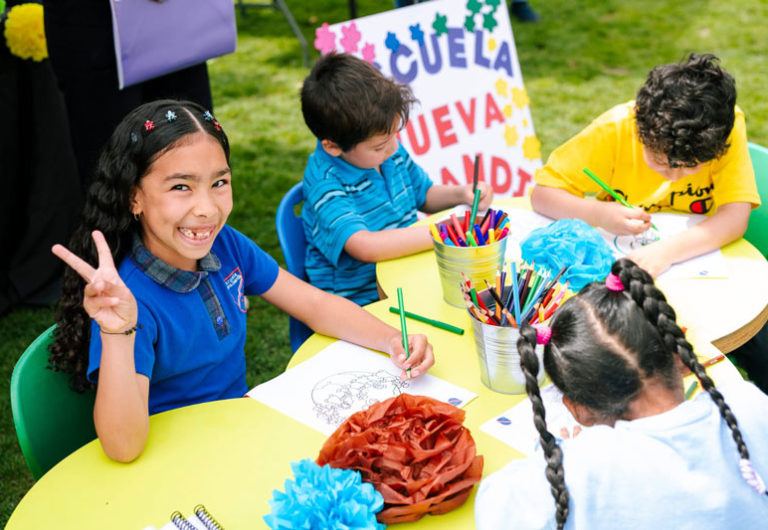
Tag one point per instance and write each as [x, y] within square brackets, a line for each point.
[234, 283]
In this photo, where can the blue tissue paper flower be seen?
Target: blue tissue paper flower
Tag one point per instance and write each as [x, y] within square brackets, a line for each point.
[324, 497]
[572, 243]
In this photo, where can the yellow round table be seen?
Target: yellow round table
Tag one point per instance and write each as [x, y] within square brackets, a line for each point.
[230, 455]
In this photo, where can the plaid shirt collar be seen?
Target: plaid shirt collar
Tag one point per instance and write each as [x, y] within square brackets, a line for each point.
[175, 279]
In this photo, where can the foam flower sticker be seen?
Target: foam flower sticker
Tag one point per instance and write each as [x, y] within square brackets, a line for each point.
[531, 148]
[520, 98]
[24, 32]
[469, 23]
[326, 39]
[507, 111]
[474, 6]
[510, 135]
[416, 34]
[440, 25]
[350, 39]
[392, 42]
[324, 497]
[489, 21]
[369, 52]
[501, 87]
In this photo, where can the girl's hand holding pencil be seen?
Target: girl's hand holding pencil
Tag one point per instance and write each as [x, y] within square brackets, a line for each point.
[106, 298]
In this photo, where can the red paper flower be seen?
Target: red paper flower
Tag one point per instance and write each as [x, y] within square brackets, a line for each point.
[414, 450]
[149, 125]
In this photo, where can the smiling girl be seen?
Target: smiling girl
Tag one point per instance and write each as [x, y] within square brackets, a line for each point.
[166, 327]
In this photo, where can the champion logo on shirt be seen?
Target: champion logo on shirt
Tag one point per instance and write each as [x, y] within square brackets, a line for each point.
[234, 283]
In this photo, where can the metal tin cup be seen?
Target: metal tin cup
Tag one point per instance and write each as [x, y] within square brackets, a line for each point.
[477, 263]
[498, 356]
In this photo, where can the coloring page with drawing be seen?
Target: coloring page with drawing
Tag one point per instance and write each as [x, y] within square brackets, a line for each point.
[343, 379]
[710, 265]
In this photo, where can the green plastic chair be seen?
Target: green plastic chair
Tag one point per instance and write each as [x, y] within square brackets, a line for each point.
[51, 419]
[757, 231]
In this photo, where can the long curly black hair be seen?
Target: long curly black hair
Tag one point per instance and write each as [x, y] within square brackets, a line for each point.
[144, 134]
[686, 111]
[604, 344]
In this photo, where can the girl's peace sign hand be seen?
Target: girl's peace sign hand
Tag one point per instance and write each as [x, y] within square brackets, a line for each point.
[106, 299]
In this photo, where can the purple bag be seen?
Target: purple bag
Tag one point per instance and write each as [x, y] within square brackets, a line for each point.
[155, 38]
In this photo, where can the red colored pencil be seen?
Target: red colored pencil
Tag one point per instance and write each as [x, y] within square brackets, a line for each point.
[713, 360]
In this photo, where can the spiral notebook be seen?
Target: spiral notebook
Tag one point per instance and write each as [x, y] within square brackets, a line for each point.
[200, 519]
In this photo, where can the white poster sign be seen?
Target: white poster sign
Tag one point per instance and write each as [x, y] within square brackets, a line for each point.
[459, 58]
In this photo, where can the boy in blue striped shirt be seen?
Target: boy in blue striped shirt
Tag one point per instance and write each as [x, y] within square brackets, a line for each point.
[361, 188]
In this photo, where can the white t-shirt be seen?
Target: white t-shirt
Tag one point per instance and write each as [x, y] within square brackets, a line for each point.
[675, 470]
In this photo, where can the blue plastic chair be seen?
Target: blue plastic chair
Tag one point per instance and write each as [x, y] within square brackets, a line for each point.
[290, 232]
[757, 231]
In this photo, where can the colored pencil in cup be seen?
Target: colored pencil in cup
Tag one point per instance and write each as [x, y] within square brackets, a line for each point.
[403, 329]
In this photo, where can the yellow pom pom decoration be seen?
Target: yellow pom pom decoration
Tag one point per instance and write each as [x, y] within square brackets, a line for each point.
[24, 32]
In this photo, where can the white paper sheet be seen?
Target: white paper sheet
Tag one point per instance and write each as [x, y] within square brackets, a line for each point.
[342, 379]
[710, 265]
[515, 427]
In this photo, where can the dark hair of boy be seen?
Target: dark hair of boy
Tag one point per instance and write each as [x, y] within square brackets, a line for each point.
[141, 137]
[604, 344]
[686, 111]
[347, 100]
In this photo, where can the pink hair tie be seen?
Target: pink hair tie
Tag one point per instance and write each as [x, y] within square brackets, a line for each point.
[613, 283]
[543, 334]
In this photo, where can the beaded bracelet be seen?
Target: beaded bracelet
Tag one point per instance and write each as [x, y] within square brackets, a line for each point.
[129, 331]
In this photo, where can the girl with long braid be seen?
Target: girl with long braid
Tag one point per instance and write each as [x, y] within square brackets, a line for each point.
[649, 459]
[153, 307]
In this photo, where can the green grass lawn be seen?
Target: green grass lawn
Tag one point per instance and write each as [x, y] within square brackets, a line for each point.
[584, 56]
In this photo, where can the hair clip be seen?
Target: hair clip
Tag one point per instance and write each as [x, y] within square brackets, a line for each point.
[613, 283]
[134, 138]
[208, 116]
[216, 125]
[149, 125]
[170, 116]
[543, 334]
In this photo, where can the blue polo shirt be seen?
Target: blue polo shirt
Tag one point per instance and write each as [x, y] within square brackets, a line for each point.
[192, 336]
[341, 199]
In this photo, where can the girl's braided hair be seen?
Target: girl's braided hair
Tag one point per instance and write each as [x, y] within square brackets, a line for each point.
[604, 344]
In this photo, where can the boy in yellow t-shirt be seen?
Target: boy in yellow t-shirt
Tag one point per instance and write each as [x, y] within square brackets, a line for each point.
[681, 146]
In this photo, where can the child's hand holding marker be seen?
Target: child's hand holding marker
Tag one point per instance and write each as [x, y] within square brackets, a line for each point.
[412, 353]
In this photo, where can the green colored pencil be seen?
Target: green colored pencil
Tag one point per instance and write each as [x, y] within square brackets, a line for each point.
[691, 389]
[402, 325]
[430, 321]
[475, 204]
[610, 191]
